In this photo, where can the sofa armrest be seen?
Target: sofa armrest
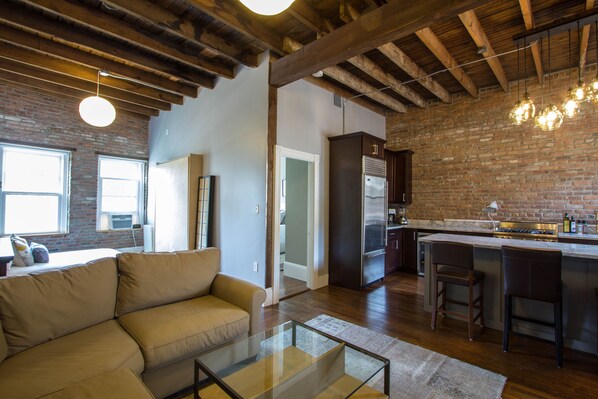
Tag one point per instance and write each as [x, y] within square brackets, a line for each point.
[241, 293]
[3, 345]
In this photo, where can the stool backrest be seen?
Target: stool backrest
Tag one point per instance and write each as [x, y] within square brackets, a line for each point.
[532, 273]
[452, 254]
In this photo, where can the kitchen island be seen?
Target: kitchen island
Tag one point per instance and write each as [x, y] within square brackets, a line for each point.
[579, 276]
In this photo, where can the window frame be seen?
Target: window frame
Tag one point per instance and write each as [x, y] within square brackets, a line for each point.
[141, 191]
[63, 197]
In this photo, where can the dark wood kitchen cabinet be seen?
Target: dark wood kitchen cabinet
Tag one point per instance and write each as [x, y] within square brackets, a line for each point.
[371, 146]
[410, 250]
[394, 251]
[398, 174]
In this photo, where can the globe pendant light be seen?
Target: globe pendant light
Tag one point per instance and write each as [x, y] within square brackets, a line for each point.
[267, 7]
[570, 105]
[550, 118]
[516, 114]
[527, 105]
[97, 111]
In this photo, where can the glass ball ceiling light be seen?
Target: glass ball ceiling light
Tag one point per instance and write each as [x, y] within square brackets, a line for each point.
[550, 118]
[525, 109]
[267, 7]
[95, 110]
[516, 114]
[570, 105]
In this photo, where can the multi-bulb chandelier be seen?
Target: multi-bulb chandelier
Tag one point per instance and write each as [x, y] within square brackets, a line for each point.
[551, 117]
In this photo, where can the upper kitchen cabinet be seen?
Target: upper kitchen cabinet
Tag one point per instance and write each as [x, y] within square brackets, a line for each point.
[371, 146]
[398, 173]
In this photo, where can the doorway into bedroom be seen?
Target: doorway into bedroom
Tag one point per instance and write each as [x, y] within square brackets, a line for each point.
[293, 226]
[295, 236]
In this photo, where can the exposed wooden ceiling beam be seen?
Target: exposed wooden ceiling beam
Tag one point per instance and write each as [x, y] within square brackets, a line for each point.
[53, 48]
[75, 37]
[238, 19]
[81, 85]
[473, 26]
[324, 26]
[528, 19]
[392, 21]
[67, 92]
[180, 27]
[352, 81]
[346, 94]
[403, 61]
[342, 92]
[115, 27]
[444, 56]
[30, 57]
[585, 38]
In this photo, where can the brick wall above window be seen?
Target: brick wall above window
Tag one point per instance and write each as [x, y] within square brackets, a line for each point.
[31, 117]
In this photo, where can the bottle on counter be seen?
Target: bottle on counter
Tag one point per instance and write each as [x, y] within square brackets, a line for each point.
[584, 227]
[573, 225]
[566, 224]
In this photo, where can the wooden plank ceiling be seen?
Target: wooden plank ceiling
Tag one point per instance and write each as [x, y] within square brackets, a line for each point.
[161, 51]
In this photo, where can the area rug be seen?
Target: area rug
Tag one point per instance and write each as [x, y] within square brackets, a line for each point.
[416, 372]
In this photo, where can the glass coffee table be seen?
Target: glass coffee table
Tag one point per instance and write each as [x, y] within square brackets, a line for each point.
[291, 360]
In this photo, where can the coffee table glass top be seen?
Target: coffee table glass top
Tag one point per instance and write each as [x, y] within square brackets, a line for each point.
[291, 360]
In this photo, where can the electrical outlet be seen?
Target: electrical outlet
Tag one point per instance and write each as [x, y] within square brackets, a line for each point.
[255, 266]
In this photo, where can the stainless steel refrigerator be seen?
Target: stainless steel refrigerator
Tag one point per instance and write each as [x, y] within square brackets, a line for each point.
[357, 211]
[374, 228]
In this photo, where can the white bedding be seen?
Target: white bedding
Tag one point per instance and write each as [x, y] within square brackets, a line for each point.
[59, 260]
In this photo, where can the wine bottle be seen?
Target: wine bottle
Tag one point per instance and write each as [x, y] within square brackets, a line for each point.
[573, 225]
[566, 224]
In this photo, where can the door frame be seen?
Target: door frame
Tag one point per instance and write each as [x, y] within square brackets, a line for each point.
[313, 215]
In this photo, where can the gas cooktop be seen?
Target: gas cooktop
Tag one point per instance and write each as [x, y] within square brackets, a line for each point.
[528, 231]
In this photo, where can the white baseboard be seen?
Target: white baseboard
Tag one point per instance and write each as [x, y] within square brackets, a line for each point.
[295, 271]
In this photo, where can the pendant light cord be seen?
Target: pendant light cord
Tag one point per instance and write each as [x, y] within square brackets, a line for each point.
[569, 57]
[579, 44]
[98, 87]
[525, 65]
[518, 72]
[542, 59]
[549, 99]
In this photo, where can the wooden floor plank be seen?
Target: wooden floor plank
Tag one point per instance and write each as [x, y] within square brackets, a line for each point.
[395, 308]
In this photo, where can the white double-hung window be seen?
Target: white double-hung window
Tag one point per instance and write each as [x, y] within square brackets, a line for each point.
[121, 191]
[34, 191]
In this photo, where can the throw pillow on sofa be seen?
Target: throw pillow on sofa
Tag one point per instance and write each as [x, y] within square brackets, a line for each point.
[22, 252]
[40, 253]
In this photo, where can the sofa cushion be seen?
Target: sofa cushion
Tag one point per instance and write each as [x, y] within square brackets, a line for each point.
[117, 384]
[21, 250]
[172, 332]
[152, 279]
[40, 307]
[54, 365]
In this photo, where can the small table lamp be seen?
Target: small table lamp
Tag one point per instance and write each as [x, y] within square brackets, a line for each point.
[489, 210]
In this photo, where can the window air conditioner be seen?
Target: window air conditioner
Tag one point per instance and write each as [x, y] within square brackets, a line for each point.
[121, 221]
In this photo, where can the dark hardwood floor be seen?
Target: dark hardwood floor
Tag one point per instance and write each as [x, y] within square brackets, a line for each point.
[395, 308]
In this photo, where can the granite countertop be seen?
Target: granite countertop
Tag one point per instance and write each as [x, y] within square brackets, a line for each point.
[571, 250]
[472, 226]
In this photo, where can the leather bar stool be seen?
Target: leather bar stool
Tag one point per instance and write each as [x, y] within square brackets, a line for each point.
[533, 274]
[452, 263]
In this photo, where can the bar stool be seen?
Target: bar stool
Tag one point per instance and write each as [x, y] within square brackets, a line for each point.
[533, 274]
[456, 267]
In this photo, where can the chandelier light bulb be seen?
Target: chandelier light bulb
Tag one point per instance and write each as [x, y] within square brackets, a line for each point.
[570, 105]
[580, 92]
[516, 114]
[267, 7]
[97, 111]
[592, 91]
[528, 108]
[549, 119]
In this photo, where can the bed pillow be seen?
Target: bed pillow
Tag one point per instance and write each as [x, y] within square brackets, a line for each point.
[22, 252]
[40, 253]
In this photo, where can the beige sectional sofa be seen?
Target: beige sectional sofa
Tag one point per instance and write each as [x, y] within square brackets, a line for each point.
[150, 313]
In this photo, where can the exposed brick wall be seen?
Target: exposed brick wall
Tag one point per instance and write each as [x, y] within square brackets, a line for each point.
[32, 117]
[468, 154]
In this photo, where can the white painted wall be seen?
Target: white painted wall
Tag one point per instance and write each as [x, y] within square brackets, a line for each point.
[307, 116]
[228, 126]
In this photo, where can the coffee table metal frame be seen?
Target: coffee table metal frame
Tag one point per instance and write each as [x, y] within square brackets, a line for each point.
[231, 392]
